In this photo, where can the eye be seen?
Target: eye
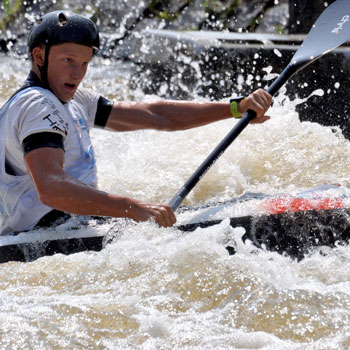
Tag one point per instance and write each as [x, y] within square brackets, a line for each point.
[67, 59]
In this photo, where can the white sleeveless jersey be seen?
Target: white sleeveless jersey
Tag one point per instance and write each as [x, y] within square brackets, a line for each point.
[35, 110]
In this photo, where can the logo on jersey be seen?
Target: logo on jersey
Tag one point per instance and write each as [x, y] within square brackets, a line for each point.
[56, 121]
[340, 25]
[57, 125]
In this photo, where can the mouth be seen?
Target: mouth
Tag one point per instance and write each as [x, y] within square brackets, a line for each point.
[70, 87]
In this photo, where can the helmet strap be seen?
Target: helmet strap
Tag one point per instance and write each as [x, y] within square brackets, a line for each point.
[44, 68]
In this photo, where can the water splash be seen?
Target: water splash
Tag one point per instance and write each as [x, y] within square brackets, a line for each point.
[159, 288]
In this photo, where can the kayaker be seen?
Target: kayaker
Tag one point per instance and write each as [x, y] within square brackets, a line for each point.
[47, 161]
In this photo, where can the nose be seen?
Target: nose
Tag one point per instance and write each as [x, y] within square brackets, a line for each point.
[78, 72]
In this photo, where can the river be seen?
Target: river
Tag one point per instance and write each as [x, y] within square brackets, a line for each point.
[156, 288]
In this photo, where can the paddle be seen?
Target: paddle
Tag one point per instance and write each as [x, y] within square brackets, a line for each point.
[331, 30]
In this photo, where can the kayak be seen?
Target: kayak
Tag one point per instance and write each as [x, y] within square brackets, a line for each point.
[290, 224]
[29, 246]
[292, 233]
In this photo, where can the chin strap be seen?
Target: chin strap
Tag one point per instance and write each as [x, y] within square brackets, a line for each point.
[43, 69]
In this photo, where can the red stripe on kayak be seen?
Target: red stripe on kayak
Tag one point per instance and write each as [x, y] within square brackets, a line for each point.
[289, 204]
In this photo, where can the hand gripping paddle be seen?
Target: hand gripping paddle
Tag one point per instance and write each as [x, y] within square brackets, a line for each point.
[331, 30]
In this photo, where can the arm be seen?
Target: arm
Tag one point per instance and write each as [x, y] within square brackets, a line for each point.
[181, 115]
[62, 192]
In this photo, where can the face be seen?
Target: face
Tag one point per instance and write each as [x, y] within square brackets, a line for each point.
[67, 67]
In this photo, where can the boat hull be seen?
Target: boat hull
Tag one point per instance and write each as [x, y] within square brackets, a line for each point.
[286, 224]
[293, 234]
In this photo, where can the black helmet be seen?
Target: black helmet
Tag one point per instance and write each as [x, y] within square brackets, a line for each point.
[60, 27]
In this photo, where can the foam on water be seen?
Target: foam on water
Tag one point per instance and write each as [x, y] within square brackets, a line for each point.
[156, 288]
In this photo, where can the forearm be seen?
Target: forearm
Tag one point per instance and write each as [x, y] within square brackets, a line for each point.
[72, 196]
[185, 115]
[166, 115]
[60, 191]
[181, 115]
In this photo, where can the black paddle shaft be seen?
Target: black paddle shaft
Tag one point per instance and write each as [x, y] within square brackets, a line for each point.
[331, 30]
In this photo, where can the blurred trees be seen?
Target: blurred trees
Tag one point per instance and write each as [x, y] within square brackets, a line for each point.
[210, 14]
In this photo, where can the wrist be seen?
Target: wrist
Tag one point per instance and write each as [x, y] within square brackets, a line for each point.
[234, 107]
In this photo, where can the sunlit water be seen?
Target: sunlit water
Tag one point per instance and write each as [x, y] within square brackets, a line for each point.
[156, 288]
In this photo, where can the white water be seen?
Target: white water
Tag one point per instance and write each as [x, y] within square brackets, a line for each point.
[157, 288]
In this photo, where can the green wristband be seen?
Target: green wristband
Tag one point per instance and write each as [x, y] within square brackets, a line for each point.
[234, 107]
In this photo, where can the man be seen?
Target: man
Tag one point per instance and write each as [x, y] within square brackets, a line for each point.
[47, 160]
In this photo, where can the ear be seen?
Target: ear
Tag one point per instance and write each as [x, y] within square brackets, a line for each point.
[38, 55]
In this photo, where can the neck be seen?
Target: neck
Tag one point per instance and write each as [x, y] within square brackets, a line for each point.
[38, 70]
